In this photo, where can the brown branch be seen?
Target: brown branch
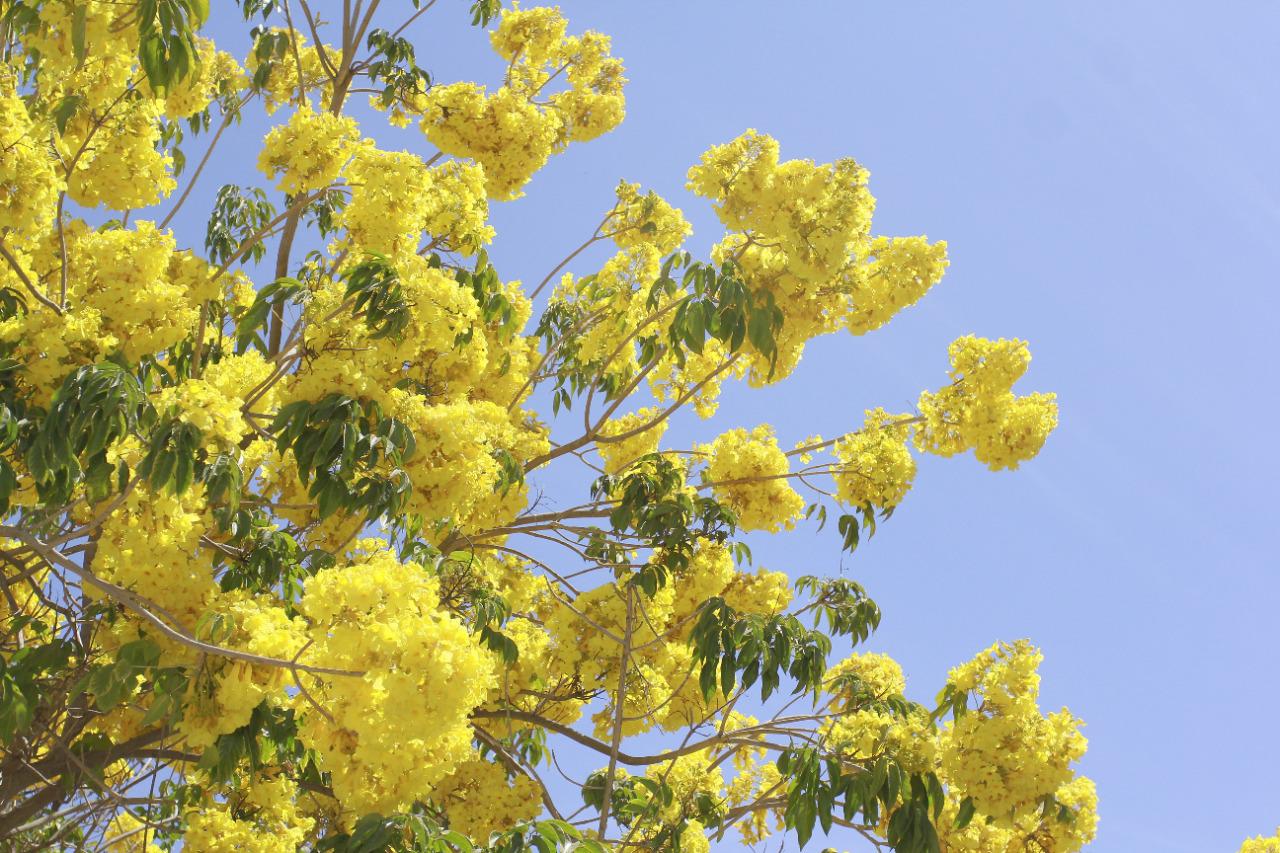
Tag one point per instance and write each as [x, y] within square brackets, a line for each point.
[148, 609]
[20, 778]
[26, 280]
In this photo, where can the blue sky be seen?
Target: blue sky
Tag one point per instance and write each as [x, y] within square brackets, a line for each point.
[1105, 175]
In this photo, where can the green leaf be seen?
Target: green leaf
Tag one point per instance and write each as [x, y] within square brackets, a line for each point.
[64, 110]
[374, 284]
[78, 21]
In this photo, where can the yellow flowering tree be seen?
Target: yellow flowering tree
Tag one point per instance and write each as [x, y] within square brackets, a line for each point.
[275, 571]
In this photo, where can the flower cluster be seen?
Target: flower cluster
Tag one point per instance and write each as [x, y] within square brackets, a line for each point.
[128, 291]
[118, 163]
[510, 132]
[28, 184]
[646, 220]
[261, 818]
[455, 470]
[214, 403]
[152, 547]
[293, 77]
[479, 799]
[895, 274]
[689, 777]
[391, 735]
[865, 728]
[875, 465]
[801, 231]
[126, 834]
[979, 410]
[1028, 832]
[866, 674]
[748, 473]
[395, 198]
[610, 307]
[660, 691]
[216, 73]
[1259, 844]
[1006, 755]
[307, 153]
[225, 695]
[637, 434]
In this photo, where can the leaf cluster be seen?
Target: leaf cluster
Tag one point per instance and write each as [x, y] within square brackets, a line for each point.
[166, 46]
[821, 789]
[237, 216]
[373, 286]
[652, 505]
[349, 452]
[732, 649]
[136, 671]
[392, 64]
[22, 678]
[96, 406]
[716, 305]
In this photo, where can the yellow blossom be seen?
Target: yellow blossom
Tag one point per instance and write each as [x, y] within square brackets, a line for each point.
[28, 184]
[390, 735]
[749, 474]
[639, 440]
[308, 152]
[1006, 755]
[875, 465]
[979, 409]
[1258, 844]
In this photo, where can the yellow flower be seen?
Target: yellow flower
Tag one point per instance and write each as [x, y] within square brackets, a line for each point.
[1006, 755]
[479, 799]
[646, 220]
[1259, 844]
[512, 132]
[896, 274]
[214, 403]
[389, 736]
[265, 819]
[618, 455]
[122, 165]
[875, 465]
[395, 198]
[28, 185]
[126, 834]
[979, 410]
[308, 152]
[749, 474]
[879, 676]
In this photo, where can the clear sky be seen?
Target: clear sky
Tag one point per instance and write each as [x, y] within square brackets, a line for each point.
[1106, 176]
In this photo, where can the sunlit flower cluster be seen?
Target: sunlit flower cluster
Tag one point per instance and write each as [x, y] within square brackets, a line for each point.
[28, 184]
[261, 818]
[801, 231]
[1258, 844]
[1006, 755]
[307, 153]
[979, 410]
[629, 437]
[479, 799]
[395, 198]
[511, 132]
[875, 465]
[214, 402]
[748, 472]
[392, 734]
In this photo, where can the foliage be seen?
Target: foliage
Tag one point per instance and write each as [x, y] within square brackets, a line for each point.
[277, 566]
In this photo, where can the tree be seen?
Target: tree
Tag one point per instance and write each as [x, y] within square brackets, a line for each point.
[276, 572]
